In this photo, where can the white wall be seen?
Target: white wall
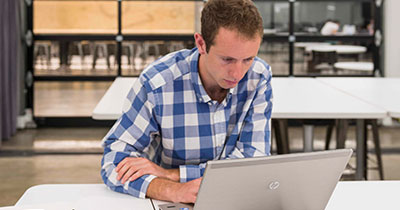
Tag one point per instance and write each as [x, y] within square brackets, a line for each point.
[391, 38]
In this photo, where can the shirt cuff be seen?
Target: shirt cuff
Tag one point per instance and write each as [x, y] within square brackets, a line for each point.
[145, 185]
[190, 172]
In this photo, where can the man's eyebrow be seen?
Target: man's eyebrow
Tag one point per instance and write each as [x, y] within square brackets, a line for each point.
[228, 57]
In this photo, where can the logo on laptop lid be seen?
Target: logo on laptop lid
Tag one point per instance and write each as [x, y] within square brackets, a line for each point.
[274, 185]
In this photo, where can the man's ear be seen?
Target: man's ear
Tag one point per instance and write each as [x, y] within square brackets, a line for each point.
[200, 43]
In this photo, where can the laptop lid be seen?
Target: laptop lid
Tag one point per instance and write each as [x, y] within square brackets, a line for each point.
[303, 181]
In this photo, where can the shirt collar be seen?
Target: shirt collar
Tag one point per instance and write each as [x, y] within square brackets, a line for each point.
[201, 93]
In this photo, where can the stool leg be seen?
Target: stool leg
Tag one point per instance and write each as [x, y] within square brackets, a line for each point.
[48, 56]
[132, 56]
[378, 152]
[107, 56]
[95, 55]
[80, 51]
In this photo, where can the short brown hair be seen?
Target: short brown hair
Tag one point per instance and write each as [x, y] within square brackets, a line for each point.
[239, 15]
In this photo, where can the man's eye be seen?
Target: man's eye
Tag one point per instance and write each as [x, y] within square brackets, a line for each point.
[248, 60]
[227, 59]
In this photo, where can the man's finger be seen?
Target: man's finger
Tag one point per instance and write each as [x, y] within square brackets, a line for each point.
[123, 170]
[127, 175]
[138, 174]
[121, 164]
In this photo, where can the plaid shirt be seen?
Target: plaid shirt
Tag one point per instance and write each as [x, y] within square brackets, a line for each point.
[169, 118]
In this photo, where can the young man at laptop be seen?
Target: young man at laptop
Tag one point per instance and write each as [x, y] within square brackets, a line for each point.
[191, 106]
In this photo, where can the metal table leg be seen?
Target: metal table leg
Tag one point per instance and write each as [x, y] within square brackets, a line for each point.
[360, 167]
[308, 137]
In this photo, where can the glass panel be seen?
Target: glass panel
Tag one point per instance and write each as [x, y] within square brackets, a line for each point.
[138, 55]
[69, 17]
[275, 16]
[276, 54]
[351, 17]
[159, 17]
[327, 58]
[77, 58]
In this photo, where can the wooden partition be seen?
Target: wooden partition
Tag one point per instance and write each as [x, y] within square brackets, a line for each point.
[157, 17]
[94, 17]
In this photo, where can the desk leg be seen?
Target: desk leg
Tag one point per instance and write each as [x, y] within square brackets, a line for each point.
[308, 136]
[281, 135]
[360, 167]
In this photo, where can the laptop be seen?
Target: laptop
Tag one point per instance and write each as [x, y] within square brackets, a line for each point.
[303, 181]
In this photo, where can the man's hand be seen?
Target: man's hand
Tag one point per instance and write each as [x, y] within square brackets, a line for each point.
[132, 168]
[187, 192]
[167, 190]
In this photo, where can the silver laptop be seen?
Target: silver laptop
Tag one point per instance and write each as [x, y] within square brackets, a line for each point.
[303, 181]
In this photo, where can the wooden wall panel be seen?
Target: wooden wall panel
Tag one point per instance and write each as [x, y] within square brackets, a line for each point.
[138, 17]
[158, 17]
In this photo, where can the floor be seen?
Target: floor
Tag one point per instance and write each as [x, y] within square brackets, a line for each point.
[73, 155]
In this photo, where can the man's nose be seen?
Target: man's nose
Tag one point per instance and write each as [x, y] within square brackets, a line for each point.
[236, 71]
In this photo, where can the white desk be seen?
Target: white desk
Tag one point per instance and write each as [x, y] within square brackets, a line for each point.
[381, 92]
[307, 98]
[294, 98]
[79, 196]
[110, 105]
[340, 49]
[365, 195]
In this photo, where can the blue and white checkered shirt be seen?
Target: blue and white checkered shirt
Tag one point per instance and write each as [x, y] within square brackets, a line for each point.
[169, 118]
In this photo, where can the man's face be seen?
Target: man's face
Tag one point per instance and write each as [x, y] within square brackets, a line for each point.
[228, 60]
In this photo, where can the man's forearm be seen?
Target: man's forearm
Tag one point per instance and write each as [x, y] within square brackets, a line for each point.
[163, 189]
[173, 174]
[168, 190]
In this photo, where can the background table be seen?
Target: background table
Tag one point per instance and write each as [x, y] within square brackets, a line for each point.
[110, 105]
[381, 92]
[356, 66]
[340, 49]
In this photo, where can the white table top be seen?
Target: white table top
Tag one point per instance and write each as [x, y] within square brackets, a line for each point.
[294, 98]
[365, 195]
[340, 49]
[381, 92]
[357, 66]
[79, 197]
[110, 105]
[307, 98]
[310, 44]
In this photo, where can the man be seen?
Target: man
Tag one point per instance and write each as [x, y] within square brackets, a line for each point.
[191, 106]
